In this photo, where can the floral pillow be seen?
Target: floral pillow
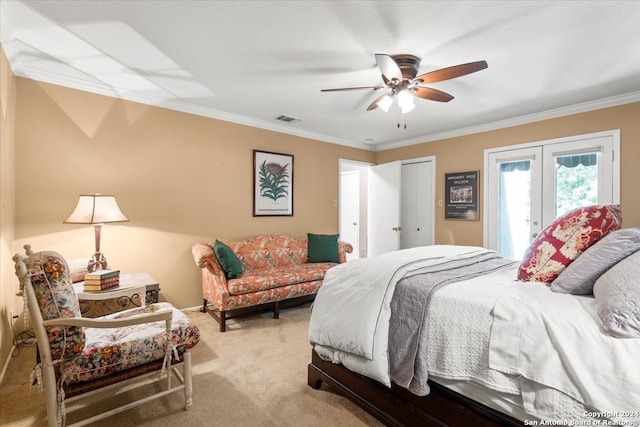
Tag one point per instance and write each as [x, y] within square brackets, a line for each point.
[564, 239]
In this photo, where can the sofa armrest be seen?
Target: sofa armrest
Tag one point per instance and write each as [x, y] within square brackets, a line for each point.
[344, 248]
[203, 254]
[214, 282]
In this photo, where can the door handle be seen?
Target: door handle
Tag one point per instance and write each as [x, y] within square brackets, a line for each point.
[397, 228]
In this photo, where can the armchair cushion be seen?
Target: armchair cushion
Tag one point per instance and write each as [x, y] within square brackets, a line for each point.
[115, 349]
[322, 247]
[57, 299]
[228, 260]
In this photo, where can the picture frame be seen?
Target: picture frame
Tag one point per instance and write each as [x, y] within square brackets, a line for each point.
[272, 184]
[461, 195]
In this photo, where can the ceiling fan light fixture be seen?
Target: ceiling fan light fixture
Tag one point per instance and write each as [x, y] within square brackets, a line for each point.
[408, 108]
[385, 102]
[405, 101]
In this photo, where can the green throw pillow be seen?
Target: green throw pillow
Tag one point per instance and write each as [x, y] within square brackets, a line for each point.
[228, 260]
[322, 247]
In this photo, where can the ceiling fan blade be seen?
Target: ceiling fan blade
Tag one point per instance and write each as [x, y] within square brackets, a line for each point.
[431, 94]
[452, 72]
[352, 88]
[388, 67]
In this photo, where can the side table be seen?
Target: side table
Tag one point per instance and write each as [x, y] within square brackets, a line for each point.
[134, 290]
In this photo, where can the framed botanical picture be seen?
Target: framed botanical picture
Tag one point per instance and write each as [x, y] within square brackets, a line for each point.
[461, 194]
[272, 184]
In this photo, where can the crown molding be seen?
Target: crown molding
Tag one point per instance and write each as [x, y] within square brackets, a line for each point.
[520, 120]
[102, 89]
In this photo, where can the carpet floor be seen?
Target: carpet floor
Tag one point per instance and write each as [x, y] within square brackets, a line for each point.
[255, 374]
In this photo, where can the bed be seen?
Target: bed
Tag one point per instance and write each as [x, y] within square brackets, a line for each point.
[448, 335]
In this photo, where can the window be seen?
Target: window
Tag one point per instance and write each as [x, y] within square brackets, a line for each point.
[529, 185]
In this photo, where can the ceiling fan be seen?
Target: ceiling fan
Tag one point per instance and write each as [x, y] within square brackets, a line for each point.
[399, 73]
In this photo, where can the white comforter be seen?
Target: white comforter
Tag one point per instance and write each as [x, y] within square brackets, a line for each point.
[514, 337]
[350, 319]
[555, 340]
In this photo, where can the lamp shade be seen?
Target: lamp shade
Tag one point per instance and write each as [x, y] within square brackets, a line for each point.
[96, 209]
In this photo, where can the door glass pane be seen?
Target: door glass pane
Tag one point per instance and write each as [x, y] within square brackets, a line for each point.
[576, 182]
[514, 207]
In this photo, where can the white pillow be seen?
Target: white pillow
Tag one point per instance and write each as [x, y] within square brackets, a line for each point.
[579, 276]
[617, 294]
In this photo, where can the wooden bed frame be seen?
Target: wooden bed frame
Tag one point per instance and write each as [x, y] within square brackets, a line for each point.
[397, 406]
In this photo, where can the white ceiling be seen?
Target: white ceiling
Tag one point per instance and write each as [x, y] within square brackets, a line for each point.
[251, 61]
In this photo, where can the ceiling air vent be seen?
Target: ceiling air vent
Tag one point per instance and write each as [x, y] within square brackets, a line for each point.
[287, 119]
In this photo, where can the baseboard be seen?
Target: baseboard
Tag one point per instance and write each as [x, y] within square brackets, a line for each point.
[194, 308]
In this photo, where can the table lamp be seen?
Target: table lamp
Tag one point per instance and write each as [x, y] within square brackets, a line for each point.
[96, 209]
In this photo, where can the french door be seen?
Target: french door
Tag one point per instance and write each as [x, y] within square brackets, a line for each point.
[515, 186]
[528, 186]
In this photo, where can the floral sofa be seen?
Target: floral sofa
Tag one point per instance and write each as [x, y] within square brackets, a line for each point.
[274, 268]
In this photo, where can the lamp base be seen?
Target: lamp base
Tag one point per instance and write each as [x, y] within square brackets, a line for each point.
[97, 262]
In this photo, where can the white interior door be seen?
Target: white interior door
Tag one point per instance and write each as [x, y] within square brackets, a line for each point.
[383, 208]
[417, 204]
[350, 210]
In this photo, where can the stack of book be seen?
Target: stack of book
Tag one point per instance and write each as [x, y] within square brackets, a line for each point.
[100, 280]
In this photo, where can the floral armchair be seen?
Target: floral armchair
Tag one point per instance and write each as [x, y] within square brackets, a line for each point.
[82, 357]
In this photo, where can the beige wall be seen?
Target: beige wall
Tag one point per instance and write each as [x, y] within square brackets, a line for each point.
[182, 178]
[9, 302]
[179, 178]
[466, 153]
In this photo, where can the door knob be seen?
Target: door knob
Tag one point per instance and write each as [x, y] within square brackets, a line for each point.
[397, 228]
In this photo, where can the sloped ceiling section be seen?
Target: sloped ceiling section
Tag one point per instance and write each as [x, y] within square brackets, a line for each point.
[250, 62]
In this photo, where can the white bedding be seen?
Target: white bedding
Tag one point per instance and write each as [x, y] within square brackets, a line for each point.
[556, 340]
[546, 349]
[460, 347]
[356, 334]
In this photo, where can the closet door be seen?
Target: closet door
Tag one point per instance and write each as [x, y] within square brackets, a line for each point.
[383, 208]
[416, 205]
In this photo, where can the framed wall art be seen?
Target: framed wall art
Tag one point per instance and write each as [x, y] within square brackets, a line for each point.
[272, 184]
[461, 194]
